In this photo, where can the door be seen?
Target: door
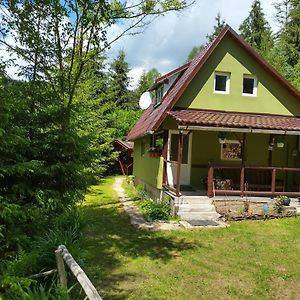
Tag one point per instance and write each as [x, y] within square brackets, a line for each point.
[185, 172]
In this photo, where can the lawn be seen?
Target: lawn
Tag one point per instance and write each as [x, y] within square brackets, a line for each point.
[248, 260]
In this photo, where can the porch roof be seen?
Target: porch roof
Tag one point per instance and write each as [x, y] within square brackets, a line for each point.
[211, 118]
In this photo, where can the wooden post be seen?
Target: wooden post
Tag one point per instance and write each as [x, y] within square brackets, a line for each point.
[61, 268]
[273, 186]
[81, 277]
[244, 149]
[210, 181]
[270, 152]
[165, 155]
[179, 158]
[242, 181]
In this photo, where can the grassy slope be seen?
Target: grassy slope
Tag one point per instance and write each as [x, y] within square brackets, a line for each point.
[249, 260]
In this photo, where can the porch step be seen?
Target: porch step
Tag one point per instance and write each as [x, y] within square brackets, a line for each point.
[194, 200]
[195, 208]
[199, 216]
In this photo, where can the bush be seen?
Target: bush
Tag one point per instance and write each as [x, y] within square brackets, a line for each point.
[154, 210]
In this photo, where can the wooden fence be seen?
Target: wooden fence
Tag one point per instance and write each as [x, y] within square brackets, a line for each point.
[64, 257]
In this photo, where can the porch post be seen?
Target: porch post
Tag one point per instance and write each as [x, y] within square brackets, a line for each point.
[165, 155]
[179, 158]
[242, 181]
[210, 181]
[273, 186]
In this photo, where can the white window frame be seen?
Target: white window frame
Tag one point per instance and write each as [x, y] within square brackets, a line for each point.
[227, 74]
[159, 94]
[230, 142]
[254, 94]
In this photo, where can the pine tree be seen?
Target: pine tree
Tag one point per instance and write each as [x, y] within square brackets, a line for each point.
[256, 30]
[146, 80]
[194, 52]
[220, 24]
[286, 52]
[118, 91]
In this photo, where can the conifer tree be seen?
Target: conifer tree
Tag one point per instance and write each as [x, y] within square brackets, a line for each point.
[146, 80]
[218, 27]
[286, 53]
[256, 30]
[119, 92]
[194, 52]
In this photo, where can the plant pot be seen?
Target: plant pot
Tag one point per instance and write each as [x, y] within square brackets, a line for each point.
[280, 144]
[286, 201]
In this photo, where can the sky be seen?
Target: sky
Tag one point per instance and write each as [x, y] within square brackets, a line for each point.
[166, 42]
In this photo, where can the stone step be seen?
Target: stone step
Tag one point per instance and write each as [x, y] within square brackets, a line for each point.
[195, 208]
[199, 215]
[194, 200]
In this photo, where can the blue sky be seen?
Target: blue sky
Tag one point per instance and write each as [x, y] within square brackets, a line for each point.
[167, 41]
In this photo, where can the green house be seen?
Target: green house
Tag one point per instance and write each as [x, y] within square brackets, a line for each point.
[225, 123]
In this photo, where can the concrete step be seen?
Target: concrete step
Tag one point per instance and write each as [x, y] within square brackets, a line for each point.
[194, 200]
[195, 208]
[199, 216]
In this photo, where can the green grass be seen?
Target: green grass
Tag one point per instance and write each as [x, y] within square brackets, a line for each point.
[248, 260]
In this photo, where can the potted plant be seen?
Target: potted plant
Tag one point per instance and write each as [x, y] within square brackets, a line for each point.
[222, 137]
[280, 141]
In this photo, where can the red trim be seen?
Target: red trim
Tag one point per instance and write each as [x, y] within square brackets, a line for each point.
[175, 71]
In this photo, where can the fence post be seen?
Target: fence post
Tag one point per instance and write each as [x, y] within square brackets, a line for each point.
[61, 268]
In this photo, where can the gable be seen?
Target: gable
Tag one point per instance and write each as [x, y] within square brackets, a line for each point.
[272, 97]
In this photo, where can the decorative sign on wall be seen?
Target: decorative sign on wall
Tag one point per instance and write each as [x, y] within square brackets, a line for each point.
[231, 150]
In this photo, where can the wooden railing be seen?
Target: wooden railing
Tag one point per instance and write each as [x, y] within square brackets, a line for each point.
[62, 255]
[271, 187]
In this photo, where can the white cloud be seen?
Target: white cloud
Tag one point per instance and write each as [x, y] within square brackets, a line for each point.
[165, 44]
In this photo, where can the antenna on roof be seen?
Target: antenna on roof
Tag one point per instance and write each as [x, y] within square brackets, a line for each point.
[145, 100]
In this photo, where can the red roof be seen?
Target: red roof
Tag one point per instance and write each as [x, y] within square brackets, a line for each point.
[153, 117]
[198, 117]
[124, 144]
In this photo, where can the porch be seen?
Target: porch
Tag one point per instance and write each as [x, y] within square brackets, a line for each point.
[226, 161]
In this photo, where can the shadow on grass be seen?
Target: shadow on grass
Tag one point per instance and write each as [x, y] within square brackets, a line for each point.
[110, 241]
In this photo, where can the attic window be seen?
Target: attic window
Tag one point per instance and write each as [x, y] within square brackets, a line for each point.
[159, 93]
[249, 85]
[221, 83]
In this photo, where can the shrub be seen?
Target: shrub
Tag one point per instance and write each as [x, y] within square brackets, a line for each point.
[154, 210]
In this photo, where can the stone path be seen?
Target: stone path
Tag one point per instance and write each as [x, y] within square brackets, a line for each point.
[137, 219]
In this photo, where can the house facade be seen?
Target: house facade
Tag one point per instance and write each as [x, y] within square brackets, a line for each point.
[224, 124]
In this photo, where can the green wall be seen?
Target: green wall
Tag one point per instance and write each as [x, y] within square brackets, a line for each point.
[148, 169]
[229, 57]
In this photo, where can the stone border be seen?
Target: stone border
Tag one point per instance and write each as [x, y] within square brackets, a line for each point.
[137, 219]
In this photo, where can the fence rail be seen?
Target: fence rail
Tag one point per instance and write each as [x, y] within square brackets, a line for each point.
[64, 256]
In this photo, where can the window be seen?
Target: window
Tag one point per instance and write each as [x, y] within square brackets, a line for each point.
[221, 83]
[249, 85]
[231, 150]
[159, 93]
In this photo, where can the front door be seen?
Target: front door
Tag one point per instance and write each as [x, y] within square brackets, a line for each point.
[185, 172]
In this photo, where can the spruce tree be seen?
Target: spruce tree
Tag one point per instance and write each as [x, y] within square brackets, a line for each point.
[256, 30]
[218, 27]
[286, 53]
[194, 52]
[119, 92]
[146, 80]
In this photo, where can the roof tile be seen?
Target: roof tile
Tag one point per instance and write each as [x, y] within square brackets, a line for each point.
[235, 119]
